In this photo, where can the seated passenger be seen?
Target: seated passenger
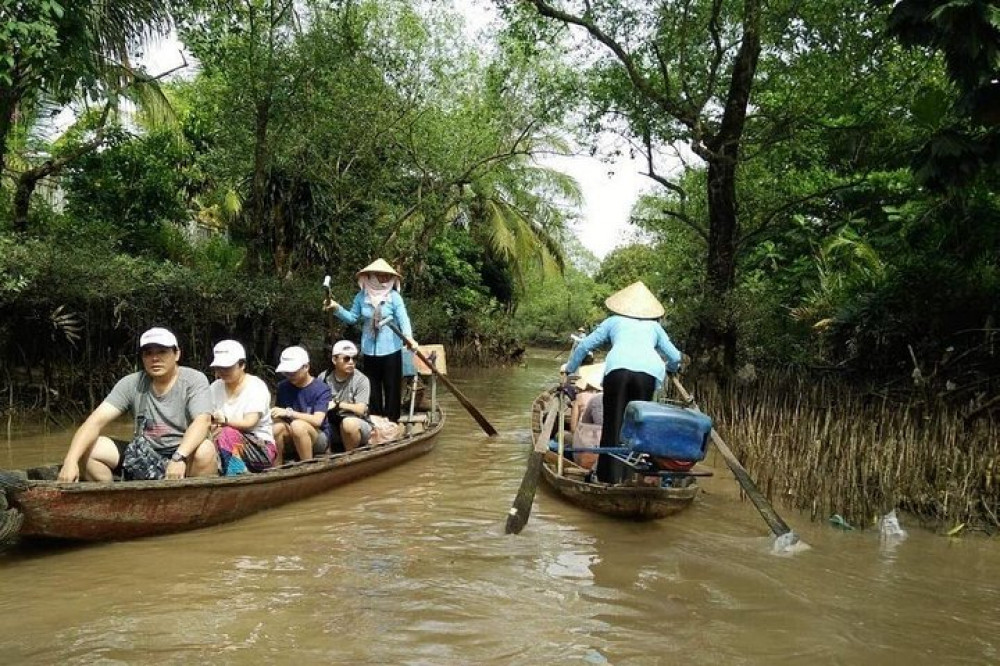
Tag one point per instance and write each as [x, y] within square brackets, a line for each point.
[242, 412]
[350, 389]
[588, 414]
[300, 412]
[171, 407]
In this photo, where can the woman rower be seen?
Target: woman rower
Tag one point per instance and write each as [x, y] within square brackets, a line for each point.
[633, 368]
[377, 301]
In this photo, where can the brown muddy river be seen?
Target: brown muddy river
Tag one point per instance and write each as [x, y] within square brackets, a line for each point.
[412, 567]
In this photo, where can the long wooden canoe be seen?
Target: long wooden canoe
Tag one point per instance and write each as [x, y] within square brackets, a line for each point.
[90, 511]
[637, 498]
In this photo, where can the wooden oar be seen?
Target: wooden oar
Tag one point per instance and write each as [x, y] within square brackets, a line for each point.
[517, 518]
[778, 526]
[469, 407]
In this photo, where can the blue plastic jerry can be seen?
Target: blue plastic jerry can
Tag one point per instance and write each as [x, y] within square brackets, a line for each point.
[666, 431]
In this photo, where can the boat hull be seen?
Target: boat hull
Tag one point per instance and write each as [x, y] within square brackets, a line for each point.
[632, 502]
[90, 511]
[629, 502]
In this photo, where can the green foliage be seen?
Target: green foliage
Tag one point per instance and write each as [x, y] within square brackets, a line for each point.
[369, 131]
[966, 144]
[556, 305]
[131, 190]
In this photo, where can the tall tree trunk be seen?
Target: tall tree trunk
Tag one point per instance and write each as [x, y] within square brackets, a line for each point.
[22, 197]
[722, 156]
[718, 330]
[8, 107]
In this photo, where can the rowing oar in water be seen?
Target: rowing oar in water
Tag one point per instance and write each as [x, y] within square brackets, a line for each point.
[469, 407]
[517, 518]
[785, 538]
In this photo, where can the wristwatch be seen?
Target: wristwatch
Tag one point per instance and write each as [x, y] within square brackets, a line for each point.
[179, 457]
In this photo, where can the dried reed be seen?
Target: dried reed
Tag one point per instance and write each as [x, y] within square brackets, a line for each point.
[818, 446]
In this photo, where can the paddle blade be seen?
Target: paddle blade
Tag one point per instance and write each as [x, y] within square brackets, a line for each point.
[519, 512]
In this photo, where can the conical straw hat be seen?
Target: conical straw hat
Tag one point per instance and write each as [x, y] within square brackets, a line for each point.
[590, 375]
[635, 301]
[379, 266]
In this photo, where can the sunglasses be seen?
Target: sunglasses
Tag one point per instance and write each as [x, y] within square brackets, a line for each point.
[345, 359]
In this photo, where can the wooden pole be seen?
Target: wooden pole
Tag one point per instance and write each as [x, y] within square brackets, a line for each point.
[519, 512]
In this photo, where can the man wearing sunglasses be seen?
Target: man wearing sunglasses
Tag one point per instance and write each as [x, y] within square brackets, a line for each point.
[351, 390]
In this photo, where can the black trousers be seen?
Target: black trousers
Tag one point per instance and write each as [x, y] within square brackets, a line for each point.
[386, 376]
[620, 388]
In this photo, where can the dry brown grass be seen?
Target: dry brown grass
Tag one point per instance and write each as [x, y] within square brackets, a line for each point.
[818, 447]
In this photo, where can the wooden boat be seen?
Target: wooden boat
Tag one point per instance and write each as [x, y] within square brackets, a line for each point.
[638, 497]
[41, 507]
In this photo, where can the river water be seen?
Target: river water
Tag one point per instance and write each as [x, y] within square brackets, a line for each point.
[412, 567]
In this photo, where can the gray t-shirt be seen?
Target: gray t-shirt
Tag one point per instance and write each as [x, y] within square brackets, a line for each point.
[166, 416]
[356, 389]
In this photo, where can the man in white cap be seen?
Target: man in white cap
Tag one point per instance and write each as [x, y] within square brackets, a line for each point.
[348, 413]
[300, 408]
[173, 406]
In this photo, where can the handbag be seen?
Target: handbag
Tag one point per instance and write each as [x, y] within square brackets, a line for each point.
[140, 460]
[254, 454]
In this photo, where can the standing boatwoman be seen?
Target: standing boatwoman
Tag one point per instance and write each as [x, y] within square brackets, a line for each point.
[381, 349]
[633, 369]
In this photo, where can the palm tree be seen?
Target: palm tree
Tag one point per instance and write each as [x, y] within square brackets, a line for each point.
[76, 49]
[518, 210]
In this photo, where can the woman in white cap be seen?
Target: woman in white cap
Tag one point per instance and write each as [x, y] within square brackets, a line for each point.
[241, 412]
[381, 349]
[633, 368]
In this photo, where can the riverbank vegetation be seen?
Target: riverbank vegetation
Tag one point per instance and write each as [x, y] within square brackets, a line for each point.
[823, 199]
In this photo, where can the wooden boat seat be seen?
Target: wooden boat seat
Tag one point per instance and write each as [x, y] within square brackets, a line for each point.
[416, 418]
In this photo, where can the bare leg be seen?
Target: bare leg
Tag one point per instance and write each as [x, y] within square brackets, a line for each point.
[100, 463]
[303, 436]
[350, 433]
[280, 439]
[204, 461]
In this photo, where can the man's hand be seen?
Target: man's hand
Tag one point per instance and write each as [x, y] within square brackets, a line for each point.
[330, 304]
[279, 413]
[69, 473]
[411, 344]
[176, 469]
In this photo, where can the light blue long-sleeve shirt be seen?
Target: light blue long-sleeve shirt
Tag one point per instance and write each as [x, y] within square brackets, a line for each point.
[361, 313]
[634, 346]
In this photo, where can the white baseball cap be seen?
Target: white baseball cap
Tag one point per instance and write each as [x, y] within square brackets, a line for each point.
[158, 336]
[292, 359]
[345, 348]
[227, 354]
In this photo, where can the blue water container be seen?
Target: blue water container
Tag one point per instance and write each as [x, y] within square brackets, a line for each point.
[666, 431]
